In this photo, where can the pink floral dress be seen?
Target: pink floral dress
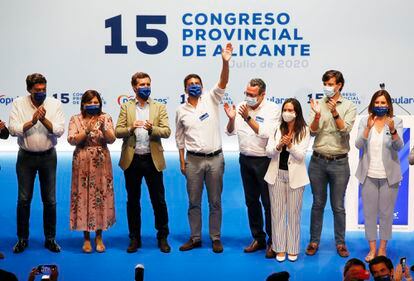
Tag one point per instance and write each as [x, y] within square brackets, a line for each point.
[92, 195]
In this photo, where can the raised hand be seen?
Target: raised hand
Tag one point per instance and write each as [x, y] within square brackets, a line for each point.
[244, 111]
[2, 125]
[390, 122]
[227, 52]
[148, 125]
[331, 105]
[371, 121]
[230, 110]
[315, 106]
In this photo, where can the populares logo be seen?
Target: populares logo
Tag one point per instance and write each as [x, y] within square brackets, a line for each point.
[5, 99]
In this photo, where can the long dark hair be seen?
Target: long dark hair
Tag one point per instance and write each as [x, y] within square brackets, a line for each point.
[88, 96]
[300, 124]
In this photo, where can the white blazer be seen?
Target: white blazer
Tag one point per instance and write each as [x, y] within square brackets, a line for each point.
[298, 174]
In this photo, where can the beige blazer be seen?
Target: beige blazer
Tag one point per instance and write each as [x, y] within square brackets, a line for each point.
[160, 129]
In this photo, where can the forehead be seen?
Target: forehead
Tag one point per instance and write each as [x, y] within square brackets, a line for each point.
[331, 80]
[288, 105]
[145, 80]
[379, 267]
[252, 89]
[193, 81]
[381, 99]
[38, 86]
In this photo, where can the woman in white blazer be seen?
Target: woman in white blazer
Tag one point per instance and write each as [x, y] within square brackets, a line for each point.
[287, 176]
[379, 171]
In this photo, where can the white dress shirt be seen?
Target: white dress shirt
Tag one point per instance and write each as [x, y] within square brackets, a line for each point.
[142, 137]
[198, 128]
[267, 115]
[376, 167]
[37, 138]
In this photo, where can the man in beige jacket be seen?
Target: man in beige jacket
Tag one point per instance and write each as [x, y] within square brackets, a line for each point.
[142, 123]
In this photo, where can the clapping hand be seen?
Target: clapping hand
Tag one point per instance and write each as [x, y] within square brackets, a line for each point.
[230, 110]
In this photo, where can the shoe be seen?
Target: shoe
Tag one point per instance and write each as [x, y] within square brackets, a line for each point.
[20, 246]
[342, 250]
[312, 249]
[370, 257]
[1, 256]
[217, 246]
[255, 246]
[189, 245]
[292, 258]
[52, 245]
[163, 245]
[87, 247]
[281, 257]
[270, 254]
[100, 246]
[133, 246]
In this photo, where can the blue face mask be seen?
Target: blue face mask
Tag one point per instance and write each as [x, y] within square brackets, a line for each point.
[144, 92]
[380, 110]
[194, 90]
[93, 109]
[40, 97]
[383, 278]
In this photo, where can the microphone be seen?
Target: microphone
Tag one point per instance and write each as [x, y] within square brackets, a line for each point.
[139, 272]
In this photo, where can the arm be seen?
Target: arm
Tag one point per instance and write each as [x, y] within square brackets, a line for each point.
[108, 129]
[346, 122]
[363, 133]
[298, 150]
[162, 130]
[18, 127]
[4, 132]
[75, 136]
[274, 139]
[230, 111]
[180, 140]
[224, 75]
[397, 142]
[121, 129]
[182, 160]
[57, 125]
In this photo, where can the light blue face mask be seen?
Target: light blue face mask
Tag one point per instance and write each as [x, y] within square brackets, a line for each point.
[329, 91]
[194, 90]
[250, 101]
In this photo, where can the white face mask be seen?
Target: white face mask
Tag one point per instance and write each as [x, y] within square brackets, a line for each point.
[288, 116]
[329, 91]
[251, 101]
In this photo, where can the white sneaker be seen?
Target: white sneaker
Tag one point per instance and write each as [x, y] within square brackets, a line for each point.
[280, 258]
[292, 258]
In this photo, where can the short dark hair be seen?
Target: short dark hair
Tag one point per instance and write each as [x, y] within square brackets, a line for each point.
[387, 98]
[88, 96]
[352, 262]
[7, 276]
[339, 78]
[258, 82]
[139, 75]
[189, 76]
[35, 78]
[279, 276]
[381, 259]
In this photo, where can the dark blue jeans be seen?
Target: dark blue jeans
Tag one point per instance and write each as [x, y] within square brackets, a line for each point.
[335, 173]
[27, 166]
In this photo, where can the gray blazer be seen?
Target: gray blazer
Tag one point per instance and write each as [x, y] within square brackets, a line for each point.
[390, 150]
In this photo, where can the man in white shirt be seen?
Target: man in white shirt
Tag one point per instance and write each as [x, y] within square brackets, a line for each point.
[198, 132]
[37, 121]
[252, 121]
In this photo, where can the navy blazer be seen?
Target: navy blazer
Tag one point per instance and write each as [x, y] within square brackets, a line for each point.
[390, 150]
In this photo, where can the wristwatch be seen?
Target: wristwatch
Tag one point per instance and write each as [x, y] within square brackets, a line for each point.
[248, 118]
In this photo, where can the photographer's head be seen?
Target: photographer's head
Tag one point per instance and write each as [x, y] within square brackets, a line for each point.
[381, 268]
[355, 269]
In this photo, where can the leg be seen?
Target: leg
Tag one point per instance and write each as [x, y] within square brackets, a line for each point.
[294, 208]
[319, 180]
[133, 178]
[261, 169]
[338, 172]
[26, 174]
[100, 247]
[195, 177]
[156, 191]
[47, 179]
[214, 185]
[278, 210]
[252, 197]
[387, 197]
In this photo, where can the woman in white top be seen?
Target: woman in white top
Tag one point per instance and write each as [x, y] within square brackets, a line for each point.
[379, 171]
[287, 176]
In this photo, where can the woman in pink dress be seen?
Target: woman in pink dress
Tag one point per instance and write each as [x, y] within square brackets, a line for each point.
[92, 205]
